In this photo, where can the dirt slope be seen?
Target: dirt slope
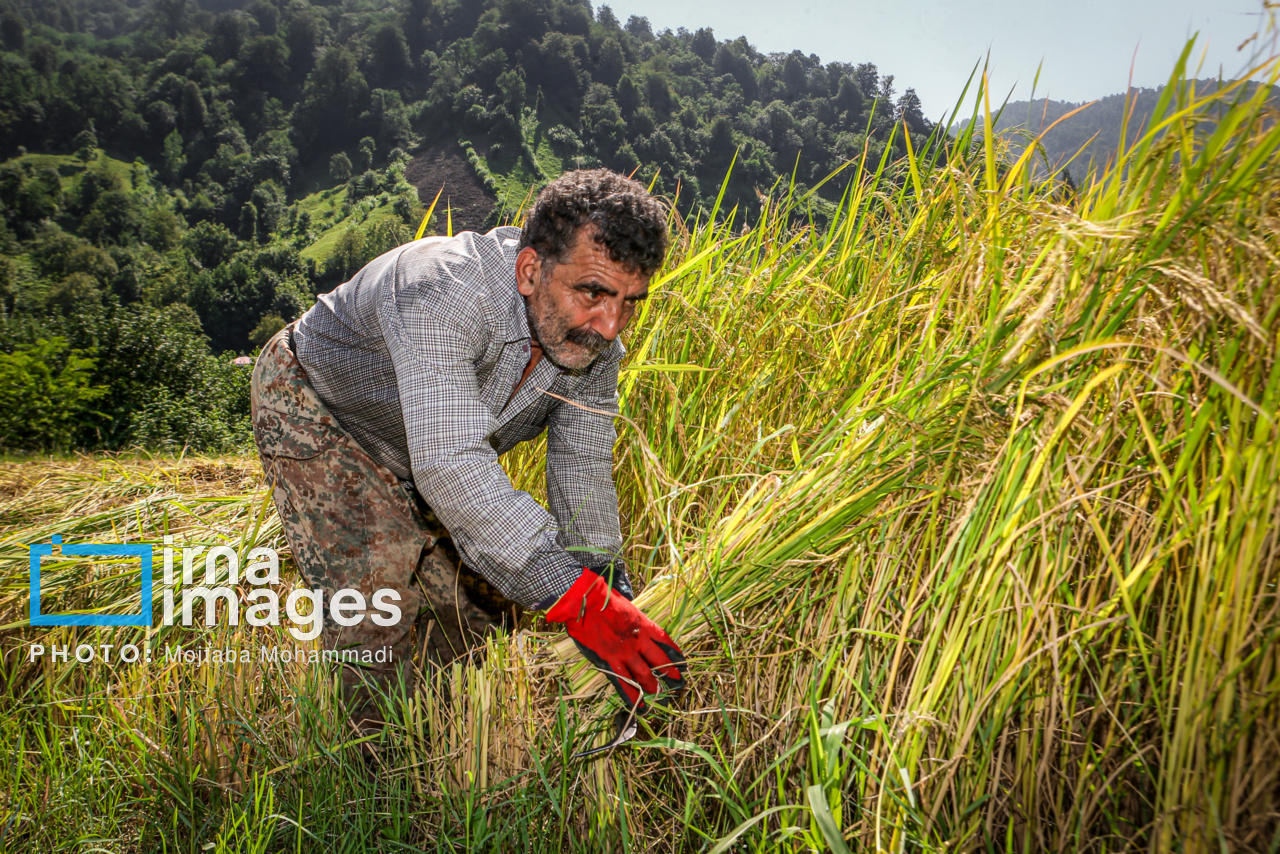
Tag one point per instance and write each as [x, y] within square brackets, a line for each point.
[444, 166]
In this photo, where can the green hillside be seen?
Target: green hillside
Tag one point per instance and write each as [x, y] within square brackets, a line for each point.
[202, 170]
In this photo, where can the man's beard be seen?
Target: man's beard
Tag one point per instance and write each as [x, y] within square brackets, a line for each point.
[556, 341]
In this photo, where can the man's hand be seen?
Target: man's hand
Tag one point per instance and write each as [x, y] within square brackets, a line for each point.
[618, 639]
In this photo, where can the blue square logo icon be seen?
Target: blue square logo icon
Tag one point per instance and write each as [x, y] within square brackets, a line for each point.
[142, 552]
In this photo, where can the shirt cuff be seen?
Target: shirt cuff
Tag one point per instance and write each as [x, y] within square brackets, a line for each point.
[557, 571]
[613, 569]
[550, 576]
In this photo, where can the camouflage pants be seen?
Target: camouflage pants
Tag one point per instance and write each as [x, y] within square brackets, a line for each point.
[351, 523]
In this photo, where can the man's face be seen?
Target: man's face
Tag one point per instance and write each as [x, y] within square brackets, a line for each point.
[577, 307]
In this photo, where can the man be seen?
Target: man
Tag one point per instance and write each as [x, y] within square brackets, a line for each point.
[381, 413]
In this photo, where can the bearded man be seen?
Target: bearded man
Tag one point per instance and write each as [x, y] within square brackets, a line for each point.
[381, 413]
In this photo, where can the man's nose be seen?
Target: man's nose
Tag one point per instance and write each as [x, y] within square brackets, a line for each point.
[609, 320]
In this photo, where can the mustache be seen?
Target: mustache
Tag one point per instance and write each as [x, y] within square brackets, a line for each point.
[587, 338]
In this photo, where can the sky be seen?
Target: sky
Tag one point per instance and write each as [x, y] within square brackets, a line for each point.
[1084, 49]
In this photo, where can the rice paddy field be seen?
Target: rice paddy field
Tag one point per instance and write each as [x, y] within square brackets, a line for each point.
[964, 504]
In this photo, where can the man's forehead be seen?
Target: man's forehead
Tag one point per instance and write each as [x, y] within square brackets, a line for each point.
[582, 263]
[586, 245]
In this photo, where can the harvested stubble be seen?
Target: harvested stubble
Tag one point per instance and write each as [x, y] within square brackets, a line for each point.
[965, 507]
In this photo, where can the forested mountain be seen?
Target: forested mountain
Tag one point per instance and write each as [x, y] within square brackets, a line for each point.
[1095, 132]
[175, 171]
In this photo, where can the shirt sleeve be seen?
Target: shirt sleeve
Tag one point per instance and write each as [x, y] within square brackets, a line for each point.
[580, 487]
[436, 329]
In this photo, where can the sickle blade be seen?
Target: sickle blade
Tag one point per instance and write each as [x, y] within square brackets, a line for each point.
[624, 723]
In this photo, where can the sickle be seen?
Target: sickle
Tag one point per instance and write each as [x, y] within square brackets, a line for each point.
[624, 725]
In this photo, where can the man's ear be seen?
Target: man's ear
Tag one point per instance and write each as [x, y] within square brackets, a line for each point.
[528, 269]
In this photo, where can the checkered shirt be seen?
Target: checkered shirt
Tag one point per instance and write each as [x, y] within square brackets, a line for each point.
[416, 357]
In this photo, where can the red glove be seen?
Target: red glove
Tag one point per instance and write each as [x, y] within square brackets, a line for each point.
[618, 639]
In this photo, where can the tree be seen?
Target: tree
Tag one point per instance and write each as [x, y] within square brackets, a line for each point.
[389, 63]
[28, 196]
[628, 97]
[885, 95]
[611, 64]
[720, 145]
[601, 119]
[231, 298]
[606, 18]
[782, 132]
[210, 244]
[794, 79]
[267, 327]
[171, 18]
[267, 16]
[572, 18]
[367, 149]
[263, 66]
[161, 118]
[229, 33]
[174, 158]
[909, 110]
[76, 295]
[13, 31]
[530, 18]
[333, 99]
[116, 217]
[727, 60]
[45, 391]
[704, 44]
[248, 229]
[868, 77]
[194, 111]
[658, 94]
[554, 66]
[164, 385]
[848, 99]
[511, 88]
[301, 35]
[304, 82]
[269, 200]
[86, 143]
[161, 228]
[349, 255]
[638, 26]
[417, 26]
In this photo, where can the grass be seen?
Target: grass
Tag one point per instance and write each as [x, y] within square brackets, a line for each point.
[330, 223]
[70, 167]
[964, 506]
[324, 206]
[549, 162]
[511, 176]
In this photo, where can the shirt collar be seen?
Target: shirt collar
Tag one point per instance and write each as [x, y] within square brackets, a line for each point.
[518, 324]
